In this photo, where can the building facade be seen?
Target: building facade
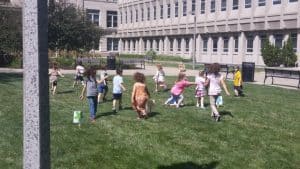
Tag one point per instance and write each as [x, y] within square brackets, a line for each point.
[225, 31]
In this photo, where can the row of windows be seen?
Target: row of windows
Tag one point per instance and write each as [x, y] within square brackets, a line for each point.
[249, 43]
[235, 6]
[111, 17]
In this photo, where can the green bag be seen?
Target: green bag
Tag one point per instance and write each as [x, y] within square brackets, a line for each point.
[77, 116]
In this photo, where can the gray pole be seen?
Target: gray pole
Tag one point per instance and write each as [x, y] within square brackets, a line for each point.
[194, 45]
[36, 128]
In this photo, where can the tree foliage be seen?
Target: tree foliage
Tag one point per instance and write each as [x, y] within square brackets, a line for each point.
[288, 54]
[274, 56]
[70, 30]
[10, 30]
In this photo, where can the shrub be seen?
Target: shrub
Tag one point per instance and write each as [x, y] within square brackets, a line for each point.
[151, 53]
[287, 53]
[131, 56]
[271, 54]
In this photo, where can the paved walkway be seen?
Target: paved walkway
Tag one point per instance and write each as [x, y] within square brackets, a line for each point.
[172, 71]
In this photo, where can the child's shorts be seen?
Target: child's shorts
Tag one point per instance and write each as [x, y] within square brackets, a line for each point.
[79, 78]
[117, 96]
[199, 93]
[102, 88]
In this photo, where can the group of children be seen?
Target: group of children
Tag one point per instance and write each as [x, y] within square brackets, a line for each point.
[206, 83]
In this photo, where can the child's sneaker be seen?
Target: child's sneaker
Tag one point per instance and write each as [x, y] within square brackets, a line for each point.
[202, 107]
[197, 105]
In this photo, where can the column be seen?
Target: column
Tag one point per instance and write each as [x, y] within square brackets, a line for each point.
[242, 47]
[175, 46]
[36, 123]
[298, 44]
[148, 45]
[231, 48]
[198, 48]
[126, 46]
[137, 47]
[166, 45]
[182, 47]
[220, 49]
[161, 46]
[192, 49]
[130, 46]
[141, 46]
[120, 48]
[256, 49]
[154, 45]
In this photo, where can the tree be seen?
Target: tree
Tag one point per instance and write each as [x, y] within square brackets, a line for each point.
[271, 54]
[288, 53]
[10, 30]
[69, 29]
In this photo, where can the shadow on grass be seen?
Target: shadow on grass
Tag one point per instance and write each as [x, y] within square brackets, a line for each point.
[66, 91]
[226, 113]
[106, 114]
[10, 77]
[190, 165]
[152, 114]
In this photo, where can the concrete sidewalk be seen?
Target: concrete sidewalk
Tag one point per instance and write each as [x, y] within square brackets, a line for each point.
[150, 70]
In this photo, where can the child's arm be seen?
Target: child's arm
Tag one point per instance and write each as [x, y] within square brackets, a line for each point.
[60, 74]
[82, 92]
[133, 94]
[225, 87]
[123, 88]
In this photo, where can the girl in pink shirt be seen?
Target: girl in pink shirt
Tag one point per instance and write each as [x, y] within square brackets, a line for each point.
[178, 89]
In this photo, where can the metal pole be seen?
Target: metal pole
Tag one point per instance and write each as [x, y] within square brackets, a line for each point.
[194, 45]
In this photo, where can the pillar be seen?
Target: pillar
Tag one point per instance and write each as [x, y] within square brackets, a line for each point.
[36, 125]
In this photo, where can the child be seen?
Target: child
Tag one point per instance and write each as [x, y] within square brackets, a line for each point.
[178, 89]
[200, 89]
[159, 78]
[237, 82]
[214, 81]
[140, 95]
[54, 73]
[79, 74]
[181, 67]
[90, 86]
[102, 87]
[117, 90]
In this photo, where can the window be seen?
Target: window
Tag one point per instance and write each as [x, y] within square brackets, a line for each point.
[161, 11]
[142, 11]
[178, 44]
[171, 44]
[193, 7]
[294, 41]
[133, 45]
[157, 45]
[236, 44]
[112, 44]
[215, 44]
[124, 45]
[136, 15]
[112, 19]
[176, 9]
[261, 2]
[205, 41]
[247, 3]
[187, 44]
[235, 4]
[250, 43]
[293, 1]
[278, 40]
[154, 12]
[93, 16]
[151, 44]
[148, 14]
[223, 5]
[169, 11]
[125, 16]
[202, 6]
[275, 2]
[263, 40]
[212, 6]
[145, 45]
[184, 5]
[225, 44]
[131, 16]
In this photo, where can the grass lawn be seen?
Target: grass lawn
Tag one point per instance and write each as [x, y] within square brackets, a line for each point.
[261, 130]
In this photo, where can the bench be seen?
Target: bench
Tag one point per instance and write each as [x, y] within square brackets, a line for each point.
[282, 73]
[148, 59]
[89, 61]
[226, 68]
[132, 61]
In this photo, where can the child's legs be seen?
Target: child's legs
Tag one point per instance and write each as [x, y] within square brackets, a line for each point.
[105, 91]
[212, 100]
[180, 99]
[202, 101]
[93, 106]
[117, 99]
[54, 85]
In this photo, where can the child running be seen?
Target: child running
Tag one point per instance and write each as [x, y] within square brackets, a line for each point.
[118, 88]
[54, 73]
[159, 78]
[140, 95]
[200, 89]
[79, 74]
[103, 86]
[237, 82]
[178, 89]
[90, 86]
[214, 81]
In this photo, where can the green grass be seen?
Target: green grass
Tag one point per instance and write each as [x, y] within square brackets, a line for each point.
[261, 130]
